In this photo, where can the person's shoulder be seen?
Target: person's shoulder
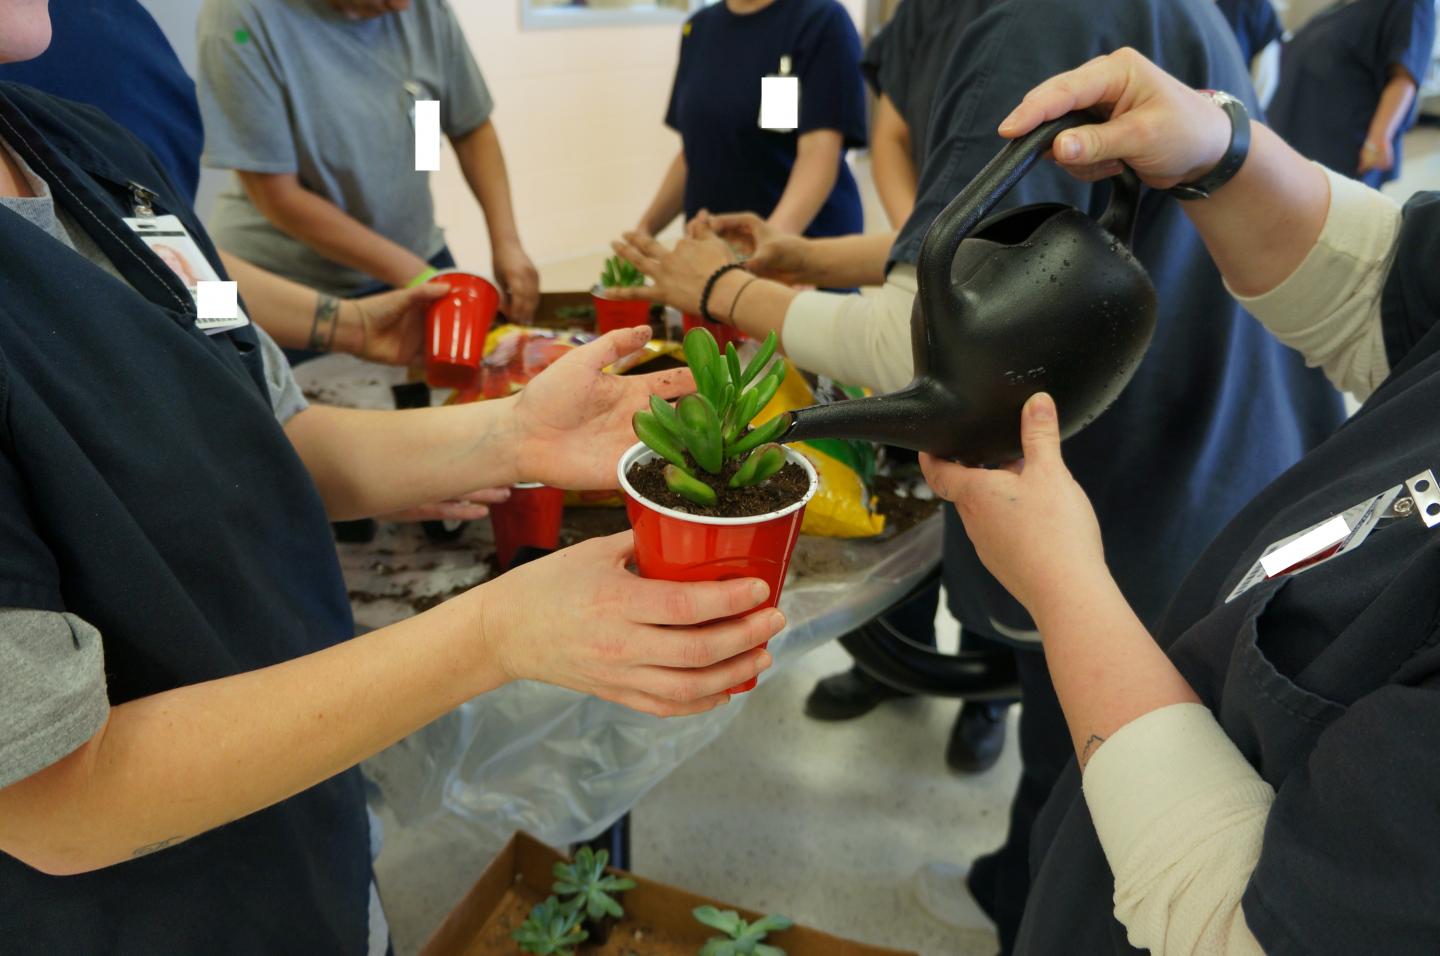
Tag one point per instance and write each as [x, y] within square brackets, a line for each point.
[59, 118]
[85, 133]
[226, 16]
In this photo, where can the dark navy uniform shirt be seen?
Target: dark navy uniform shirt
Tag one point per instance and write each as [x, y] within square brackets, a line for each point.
[1255, 23]
[1333, 71]
[1328, 681]
[906, 58]
[1218, 408]
[732, 165]
[113, 55]
[146, 487]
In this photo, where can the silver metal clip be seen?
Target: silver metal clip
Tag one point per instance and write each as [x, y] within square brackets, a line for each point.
[144, 200]
[1426, 497]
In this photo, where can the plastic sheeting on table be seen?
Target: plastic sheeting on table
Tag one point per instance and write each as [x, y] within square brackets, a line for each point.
[558, 764]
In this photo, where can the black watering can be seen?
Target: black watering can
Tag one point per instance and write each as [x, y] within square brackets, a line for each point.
[1041, 298]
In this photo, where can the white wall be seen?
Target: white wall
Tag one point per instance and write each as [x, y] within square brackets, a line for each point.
[580, 113]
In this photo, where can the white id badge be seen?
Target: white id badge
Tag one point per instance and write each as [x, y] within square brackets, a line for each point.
[1342, 533]
[780, 100]
[167, 238]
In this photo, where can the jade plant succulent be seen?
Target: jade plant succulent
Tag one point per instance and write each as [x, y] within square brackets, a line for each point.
[741, 938]
[588, 887]
[552, 929]
[620, 274]
[711, 424]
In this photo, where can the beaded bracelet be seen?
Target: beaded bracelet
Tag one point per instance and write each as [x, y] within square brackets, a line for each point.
[710, 287]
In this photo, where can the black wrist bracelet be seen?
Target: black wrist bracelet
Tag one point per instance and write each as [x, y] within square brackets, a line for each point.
[710, 287]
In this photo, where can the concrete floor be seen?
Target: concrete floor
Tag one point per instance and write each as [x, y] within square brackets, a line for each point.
[828, 824]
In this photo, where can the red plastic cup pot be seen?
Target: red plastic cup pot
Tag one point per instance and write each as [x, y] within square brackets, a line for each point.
[531, 517]
[455, 329]
[723, 333]
[612, 314]
[672, 546]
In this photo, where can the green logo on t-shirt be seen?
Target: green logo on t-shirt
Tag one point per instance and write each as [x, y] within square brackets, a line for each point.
[242, 36]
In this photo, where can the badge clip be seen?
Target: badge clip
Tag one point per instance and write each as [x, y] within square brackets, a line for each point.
[780, 99]
[1424, 498]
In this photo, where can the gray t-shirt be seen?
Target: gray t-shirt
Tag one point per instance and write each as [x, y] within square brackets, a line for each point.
[291, 86]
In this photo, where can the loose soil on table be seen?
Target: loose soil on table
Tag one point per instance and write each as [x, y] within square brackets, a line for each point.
[902, 512]
[626, 939]
[785, 487]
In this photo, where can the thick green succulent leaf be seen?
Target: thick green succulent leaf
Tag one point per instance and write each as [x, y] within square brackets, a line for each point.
[700, 349]
[732, 362]
[749, 406]
[664, 413]
[765, 949]
[757, 364]
[774, 923]
[657, 439]
[766, 388]
[700, 428]
[690, 488]
[726, 921]
[766, 433]
[762, 463]
[715, 946]
[727, 399]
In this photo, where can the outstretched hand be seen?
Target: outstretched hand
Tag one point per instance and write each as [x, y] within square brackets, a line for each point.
[1158, 126]
[771, 253]
[393, 324]
[1031, 524]
[574, 418]
[678, 275]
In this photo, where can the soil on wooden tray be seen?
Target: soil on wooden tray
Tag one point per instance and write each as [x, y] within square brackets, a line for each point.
[626, 939]
[785, 487]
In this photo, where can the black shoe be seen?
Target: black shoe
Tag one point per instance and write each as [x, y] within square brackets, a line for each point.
[977, 738]
[848, 695]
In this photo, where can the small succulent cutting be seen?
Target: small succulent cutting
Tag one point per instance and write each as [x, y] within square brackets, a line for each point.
[741, 938]
[551, 930]
[589, 887]
[711, 424]
[620, 274]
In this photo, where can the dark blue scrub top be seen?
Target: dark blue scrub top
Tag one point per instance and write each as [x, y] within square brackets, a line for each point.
[1333, 71]
[1255, 23]
[146, 487]
[907, 57]
[113, 55]
[1218, 408]
[1328, 681]
[732, 164]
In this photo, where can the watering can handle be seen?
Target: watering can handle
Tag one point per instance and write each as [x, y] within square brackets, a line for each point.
[976, 201]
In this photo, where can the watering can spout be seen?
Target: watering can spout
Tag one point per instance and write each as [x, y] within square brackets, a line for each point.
[896, 418]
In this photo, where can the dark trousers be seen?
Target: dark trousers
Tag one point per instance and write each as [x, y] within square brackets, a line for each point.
[916, 620]
[1000, 881]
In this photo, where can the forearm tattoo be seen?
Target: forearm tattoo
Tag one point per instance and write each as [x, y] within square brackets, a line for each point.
[322, 329]
[1089, 749]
